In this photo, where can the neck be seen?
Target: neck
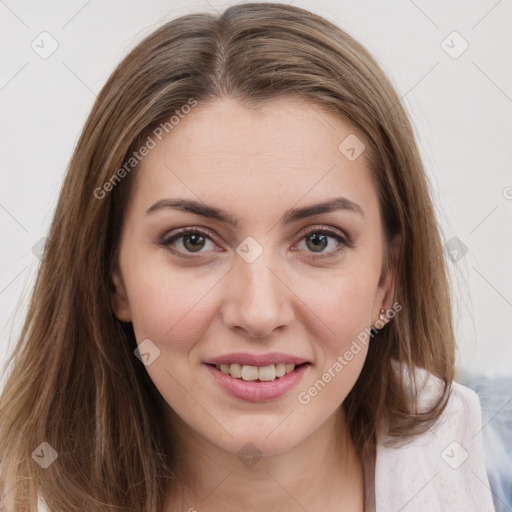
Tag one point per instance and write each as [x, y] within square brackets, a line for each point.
[323, 472]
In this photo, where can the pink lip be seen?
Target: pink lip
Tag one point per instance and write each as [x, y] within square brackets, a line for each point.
[244, 358]
[257, 391]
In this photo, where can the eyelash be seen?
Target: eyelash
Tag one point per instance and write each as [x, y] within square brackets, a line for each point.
[183, 232]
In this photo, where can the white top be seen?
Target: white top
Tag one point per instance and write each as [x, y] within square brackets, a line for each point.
[440, 470]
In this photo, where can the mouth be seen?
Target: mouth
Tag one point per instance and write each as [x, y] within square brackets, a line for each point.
[266, 373]
[257, 383]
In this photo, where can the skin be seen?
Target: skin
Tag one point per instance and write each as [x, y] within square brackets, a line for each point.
[255, 164]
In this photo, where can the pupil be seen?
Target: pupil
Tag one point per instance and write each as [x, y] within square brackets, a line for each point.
[317, 237]
[194, 239]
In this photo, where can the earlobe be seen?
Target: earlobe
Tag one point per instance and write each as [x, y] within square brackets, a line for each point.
[387, 284]
[119, 299]
[395, 258]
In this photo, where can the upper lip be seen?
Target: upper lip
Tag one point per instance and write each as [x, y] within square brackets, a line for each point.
[246, 359]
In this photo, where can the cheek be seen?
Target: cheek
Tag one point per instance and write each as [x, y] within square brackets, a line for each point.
[168, 307]
[340, 344]
[345, 306]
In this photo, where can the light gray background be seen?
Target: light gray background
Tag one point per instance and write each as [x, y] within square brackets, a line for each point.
[461, 109]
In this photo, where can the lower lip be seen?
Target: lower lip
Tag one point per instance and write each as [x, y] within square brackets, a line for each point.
[255, 390]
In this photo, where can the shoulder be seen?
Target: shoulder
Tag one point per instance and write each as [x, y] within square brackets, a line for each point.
[441, 469]
[462, 401]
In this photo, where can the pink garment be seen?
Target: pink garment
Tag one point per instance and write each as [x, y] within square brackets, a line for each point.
[442, 469]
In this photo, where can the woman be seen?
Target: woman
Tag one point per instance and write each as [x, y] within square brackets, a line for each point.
[243, 302]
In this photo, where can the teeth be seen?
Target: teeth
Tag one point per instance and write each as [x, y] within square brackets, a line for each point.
[235, 370]
[267, 372]
[250, 373]
[280, 370]
[262, 373]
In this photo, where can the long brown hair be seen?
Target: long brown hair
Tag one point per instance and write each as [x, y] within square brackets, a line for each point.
[74, 381]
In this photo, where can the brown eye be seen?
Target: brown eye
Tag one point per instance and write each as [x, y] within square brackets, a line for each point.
[317, 240]
[192, 241]
[189, 241]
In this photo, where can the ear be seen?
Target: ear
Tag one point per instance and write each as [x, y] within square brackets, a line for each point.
[119, 298]
[386, 288]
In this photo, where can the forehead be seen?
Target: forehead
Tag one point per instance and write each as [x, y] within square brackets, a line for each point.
[286, 128]
[281, 151]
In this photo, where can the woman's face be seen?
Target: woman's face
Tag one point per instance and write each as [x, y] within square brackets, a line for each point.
[268, 288]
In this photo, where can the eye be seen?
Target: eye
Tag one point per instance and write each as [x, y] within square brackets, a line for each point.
[317, 239]
[193, 240]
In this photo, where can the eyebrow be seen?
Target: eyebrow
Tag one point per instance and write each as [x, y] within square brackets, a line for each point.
[295, 214]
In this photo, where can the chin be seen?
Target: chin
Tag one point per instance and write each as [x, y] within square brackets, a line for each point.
[249, 449]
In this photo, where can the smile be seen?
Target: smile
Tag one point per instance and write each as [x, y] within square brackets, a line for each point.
[257, 383]
[262, 373]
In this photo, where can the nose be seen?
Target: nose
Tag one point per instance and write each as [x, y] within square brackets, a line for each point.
[257, 299]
